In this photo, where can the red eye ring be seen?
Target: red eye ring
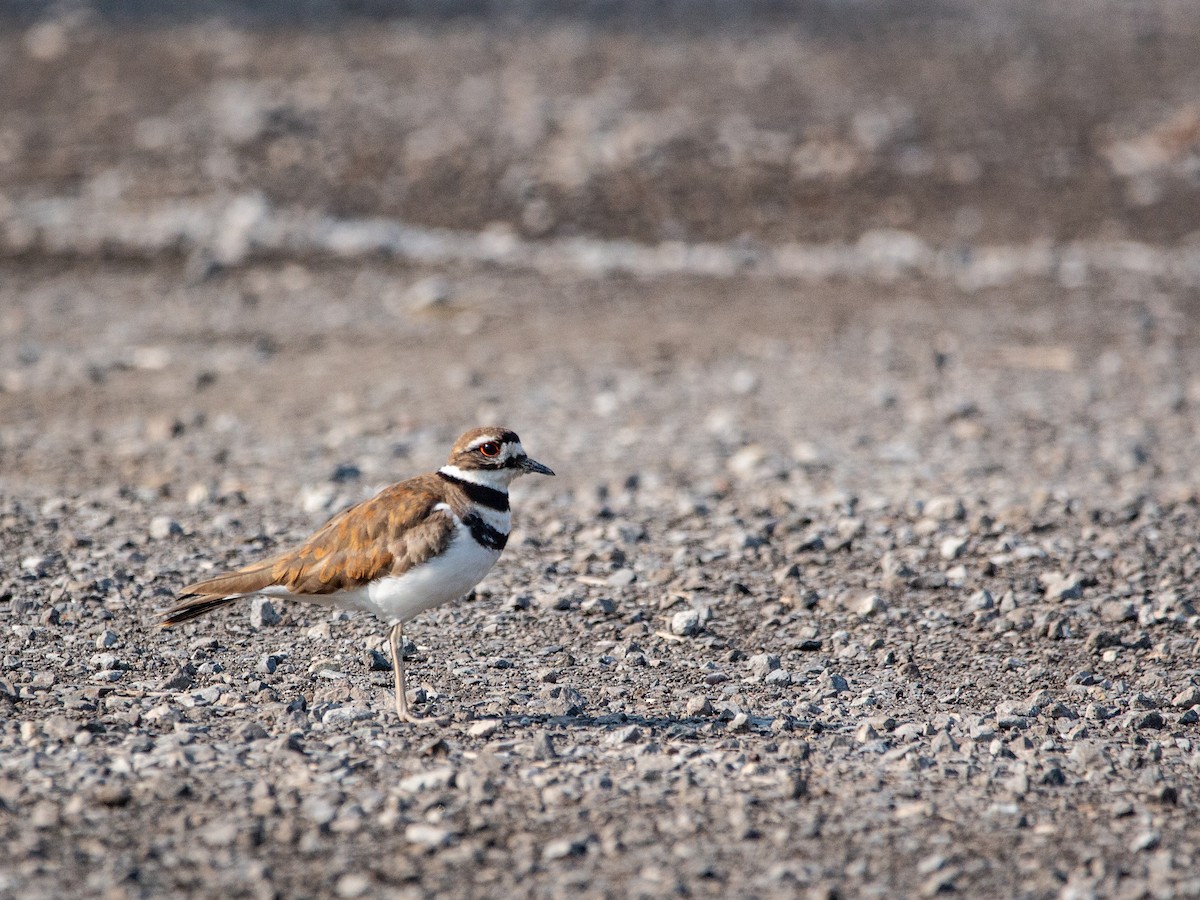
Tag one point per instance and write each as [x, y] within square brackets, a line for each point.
[491, 448]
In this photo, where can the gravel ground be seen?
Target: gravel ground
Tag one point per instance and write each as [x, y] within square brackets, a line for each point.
[832, 591]
[880, 584]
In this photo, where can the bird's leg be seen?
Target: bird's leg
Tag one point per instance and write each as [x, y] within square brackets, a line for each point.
[397, 639]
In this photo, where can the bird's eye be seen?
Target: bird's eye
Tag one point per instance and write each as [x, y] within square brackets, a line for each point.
[491, 448]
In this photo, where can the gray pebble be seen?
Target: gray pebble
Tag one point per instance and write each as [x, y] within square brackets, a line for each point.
[426, 835]
[263, 614]
[686, 623]
[622, 577]
[952, 547]
[630, 734]
[1189, 696]
[1063, 587]
[163, 527]
[106, 639]
[762, 664]
[562, 848]
[346, 715]
[378, 661]
[699, 706]
[484, 728]
[430, 780]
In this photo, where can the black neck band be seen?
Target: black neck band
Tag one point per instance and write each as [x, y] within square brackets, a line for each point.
[484, 533]
[480, 493]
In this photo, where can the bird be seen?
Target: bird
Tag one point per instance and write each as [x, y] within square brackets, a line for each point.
[415, 545]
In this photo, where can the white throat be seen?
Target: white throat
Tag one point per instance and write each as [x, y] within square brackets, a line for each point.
[496, 479]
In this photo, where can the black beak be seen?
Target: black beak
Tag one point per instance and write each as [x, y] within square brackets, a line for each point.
[532, 465]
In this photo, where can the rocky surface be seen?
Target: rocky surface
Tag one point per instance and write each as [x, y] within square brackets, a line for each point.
[881, 583]
[841, 595]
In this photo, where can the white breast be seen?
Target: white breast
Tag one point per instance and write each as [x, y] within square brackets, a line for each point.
[446, 577]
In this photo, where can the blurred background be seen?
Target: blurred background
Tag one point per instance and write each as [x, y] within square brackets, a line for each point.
[693, 120]
[412, 216]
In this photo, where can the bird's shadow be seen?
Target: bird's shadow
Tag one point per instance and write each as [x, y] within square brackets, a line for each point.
[671, 726]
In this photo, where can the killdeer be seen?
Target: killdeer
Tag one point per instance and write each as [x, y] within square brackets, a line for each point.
[413, 546]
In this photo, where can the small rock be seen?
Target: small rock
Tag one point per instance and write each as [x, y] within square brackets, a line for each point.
[112, 795]
[865, 733]
[943, 743]
[978, 602]
[699, 706]
[106, 640]
[630, 734]
[378, 662]
[951, 547]
[1189, 696]
[59, 727]
[562, 848]
[352, 885]
[564, 701]
[180, 680]
[1101, 640]
[786, 574]
[252, 731]
[833, 684]
[762, 664]
[346, 715]
[686, 623]
[106, 661]
[484, 728]
[344, 472]
[1147, 840]
[622, 577]
[1059, 711]
[262, 613]
[1118, 611]
[429, 294]
[1152, 720]
[220, 833]
[430, 780]
[1054, 777]
[426, 835]
[163, 527]
[1062, 587]
[944, 509]
[601, 605]
[867, 605]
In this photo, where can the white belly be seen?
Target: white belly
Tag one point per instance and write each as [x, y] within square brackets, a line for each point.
[397, 598]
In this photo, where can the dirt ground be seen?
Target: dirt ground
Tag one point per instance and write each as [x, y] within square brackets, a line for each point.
[870, 579]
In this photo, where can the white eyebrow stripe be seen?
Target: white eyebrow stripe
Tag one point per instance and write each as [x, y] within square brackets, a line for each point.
[509, 450]
[479, 442]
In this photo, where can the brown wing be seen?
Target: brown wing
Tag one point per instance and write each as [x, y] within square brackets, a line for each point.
[395, 530]
[386, 535]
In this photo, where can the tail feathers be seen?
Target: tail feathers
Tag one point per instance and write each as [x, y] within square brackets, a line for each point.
[205, 596]
[193, 608]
